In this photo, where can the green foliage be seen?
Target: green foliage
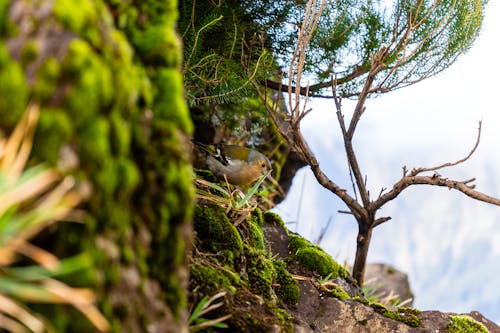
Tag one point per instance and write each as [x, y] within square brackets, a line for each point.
[465, 324]
[422, 38]
[222, 53]
[31, 200]
[197, 322]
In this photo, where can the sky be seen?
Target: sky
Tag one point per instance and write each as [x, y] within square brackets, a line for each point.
[448, 243]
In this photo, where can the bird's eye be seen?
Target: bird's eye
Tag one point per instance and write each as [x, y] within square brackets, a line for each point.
[263, 165]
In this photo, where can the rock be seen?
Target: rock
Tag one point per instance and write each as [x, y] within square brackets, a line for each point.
[388, 283]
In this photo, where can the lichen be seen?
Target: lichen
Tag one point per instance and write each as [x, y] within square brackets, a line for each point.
[465, 324]
[314, 258]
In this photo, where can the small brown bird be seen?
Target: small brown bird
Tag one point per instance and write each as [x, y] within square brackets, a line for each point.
[240, 165]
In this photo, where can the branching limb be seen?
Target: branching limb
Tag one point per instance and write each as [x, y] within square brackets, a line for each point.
[463, 186]
[413, 178]
[415, 172]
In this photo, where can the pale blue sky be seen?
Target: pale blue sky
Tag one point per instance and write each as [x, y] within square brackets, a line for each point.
[448, 243]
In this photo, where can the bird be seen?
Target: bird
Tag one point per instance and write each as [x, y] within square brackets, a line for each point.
[238, 165]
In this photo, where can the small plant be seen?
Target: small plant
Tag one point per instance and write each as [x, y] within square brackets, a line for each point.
[196, 322]
[373, 294]
[30, 200]
[232, 200]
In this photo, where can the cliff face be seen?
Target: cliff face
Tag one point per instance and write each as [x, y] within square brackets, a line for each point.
[276, 281]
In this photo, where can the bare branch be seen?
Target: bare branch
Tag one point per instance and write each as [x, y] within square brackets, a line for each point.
[381, 220]
[415, 172]
[463, 186]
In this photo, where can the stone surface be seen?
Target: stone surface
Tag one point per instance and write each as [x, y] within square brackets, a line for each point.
[388, 283]
[318, 312]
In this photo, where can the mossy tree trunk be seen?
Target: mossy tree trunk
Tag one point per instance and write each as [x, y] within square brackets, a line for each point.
[106, 74]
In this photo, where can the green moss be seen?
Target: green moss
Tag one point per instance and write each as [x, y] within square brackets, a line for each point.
[285, 320]
[211, 279]
[218, 233]
[465, 324]
[338, 292]
[128, 175]
[13, 88]
[261, 272]
[29, 52]
[47, 79]
[361, 300]
[159, 44]
[54, 129]
[404, 315]
[256, 234]
[91, 81]
[6, 25]
[270, 217]
[121, 133]
[167, 107]
[314, 258]
[77, 15]
[287, 288]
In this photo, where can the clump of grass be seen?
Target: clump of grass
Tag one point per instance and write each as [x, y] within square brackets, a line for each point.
[30, 200]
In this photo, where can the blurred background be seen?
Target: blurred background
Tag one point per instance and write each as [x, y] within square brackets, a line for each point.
[448, 243]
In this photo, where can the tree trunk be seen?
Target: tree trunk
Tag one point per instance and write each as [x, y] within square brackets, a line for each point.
[363, 244]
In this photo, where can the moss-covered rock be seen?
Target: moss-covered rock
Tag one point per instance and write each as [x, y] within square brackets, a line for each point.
[314, 258]
[465, 324]
[286, 288]
[216, 233]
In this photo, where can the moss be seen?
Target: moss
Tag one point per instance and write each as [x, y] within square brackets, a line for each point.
[256, 234]
[287, 288]
[361, 300]
[7, 28]
[13, 88]
[218, 232]
[338, 292]
[29, 52]
[93, 91]
[465, 324]
[261, 272]
[404, 315]
[211, 279]
[79, 16]
[128, 175]
[91, 81]
[167, 107]
[258, 217]
[156, 44]
[270, 217]
[48, 75]
[285, 320]
[54, 129]
[314, 258]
